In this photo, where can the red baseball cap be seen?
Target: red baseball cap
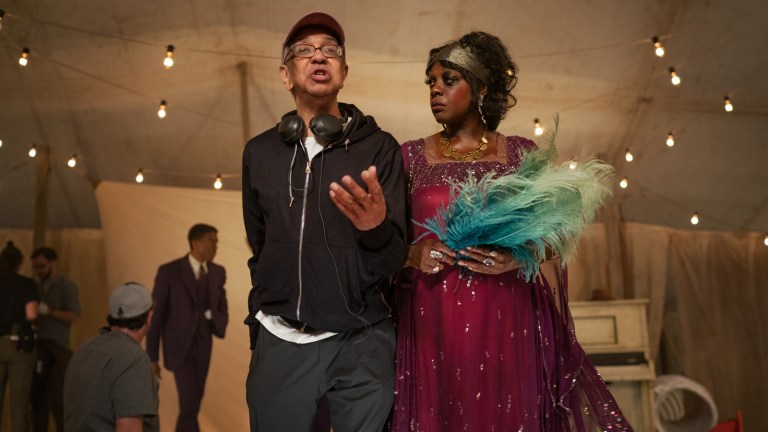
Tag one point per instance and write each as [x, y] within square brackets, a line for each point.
[319, 20]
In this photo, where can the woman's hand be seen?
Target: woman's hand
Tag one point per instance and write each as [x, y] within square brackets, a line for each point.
[488, 260]
[430, 256]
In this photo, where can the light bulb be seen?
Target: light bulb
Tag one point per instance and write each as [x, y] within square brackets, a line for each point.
[168, 62]
[537, 129]
[139, 176]
[624, 183]
[674, 76]
[1, 143]
[72, 162]
[670, 139]
[695, 219]
[217, 184]
[161, 112]
[628, 156]
[2, 16]
[658, 48]
[24, 57]
[728, 105]
[765, 240]
[33, 151]
[573, 164]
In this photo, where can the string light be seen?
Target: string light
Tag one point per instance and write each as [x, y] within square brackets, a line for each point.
[2, 16]
[624, 183]
[658, 48]
[1, 143]
[728, 105]
[168, 62]
[23, 60]
[695, 218]
[765, 240]
[674, 77]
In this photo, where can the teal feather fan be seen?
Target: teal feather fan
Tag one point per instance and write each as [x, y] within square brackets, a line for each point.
[541, 206]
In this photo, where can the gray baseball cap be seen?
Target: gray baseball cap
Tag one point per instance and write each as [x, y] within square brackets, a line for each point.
[129, 300]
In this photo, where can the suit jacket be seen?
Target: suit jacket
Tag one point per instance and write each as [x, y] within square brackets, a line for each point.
[177, 312]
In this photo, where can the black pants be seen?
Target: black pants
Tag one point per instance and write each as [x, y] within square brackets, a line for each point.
[353, 370]
[48, 385]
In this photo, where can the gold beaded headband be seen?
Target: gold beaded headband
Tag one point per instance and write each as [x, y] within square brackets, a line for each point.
[462, 57]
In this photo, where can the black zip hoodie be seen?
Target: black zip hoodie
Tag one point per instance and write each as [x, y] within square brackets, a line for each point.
[309, 262]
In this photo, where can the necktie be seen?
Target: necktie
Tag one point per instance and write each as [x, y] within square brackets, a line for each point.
[202, 286]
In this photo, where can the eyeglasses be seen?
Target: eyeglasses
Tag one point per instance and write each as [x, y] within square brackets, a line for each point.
[308, 51]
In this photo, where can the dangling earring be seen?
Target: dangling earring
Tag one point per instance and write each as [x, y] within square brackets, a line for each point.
[482, 117]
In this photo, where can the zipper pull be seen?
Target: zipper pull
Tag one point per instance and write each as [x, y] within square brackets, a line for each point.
[308, 169]
[346, 144]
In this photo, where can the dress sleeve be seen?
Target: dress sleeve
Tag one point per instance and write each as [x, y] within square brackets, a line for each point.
[516, 147]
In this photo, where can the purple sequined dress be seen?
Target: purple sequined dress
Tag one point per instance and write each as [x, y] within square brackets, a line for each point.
[486, 353]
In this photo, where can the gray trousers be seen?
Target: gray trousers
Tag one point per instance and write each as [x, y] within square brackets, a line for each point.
[354, 370]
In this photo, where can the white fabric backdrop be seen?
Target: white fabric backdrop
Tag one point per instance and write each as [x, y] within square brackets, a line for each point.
[146, 226]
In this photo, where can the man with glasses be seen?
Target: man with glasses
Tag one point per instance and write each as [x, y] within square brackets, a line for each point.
[59, 308]
[324, 210]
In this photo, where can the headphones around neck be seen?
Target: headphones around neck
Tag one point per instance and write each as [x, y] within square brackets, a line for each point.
[325, 126]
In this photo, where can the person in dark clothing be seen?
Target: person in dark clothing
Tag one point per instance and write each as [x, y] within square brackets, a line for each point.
[191, 308]
[18, 309]
[324, 245]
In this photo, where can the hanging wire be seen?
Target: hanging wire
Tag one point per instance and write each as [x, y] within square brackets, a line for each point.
[140, 42]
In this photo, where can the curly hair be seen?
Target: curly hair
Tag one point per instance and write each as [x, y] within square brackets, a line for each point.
[491, 53]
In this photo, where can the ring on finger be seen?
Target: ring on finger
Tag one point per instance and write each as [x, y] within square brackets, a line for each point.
[489, 262]
[435, 254]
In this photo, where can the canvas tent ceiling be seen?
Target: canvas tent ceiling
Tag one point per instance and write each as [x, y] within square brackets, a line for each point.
[95, 80]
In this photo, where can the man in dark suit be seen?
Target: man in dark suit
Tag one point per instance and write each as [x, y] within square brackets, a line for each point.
[190, 306]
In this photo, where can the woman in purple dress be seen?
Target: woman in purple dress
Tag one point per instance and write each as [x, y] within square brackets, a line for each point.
[479, 348]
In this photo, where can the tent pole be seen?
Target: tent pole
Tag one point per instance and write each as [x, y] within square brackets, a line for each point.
[41, 196]
[244, 108]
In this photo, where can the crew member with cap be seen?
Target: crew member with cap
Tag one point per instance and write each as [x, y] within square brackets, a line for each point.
[109, 384]
[326, 235]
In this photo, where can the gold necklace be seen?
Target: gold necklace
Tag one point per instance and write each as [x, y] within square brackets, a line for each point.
[477, 153]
